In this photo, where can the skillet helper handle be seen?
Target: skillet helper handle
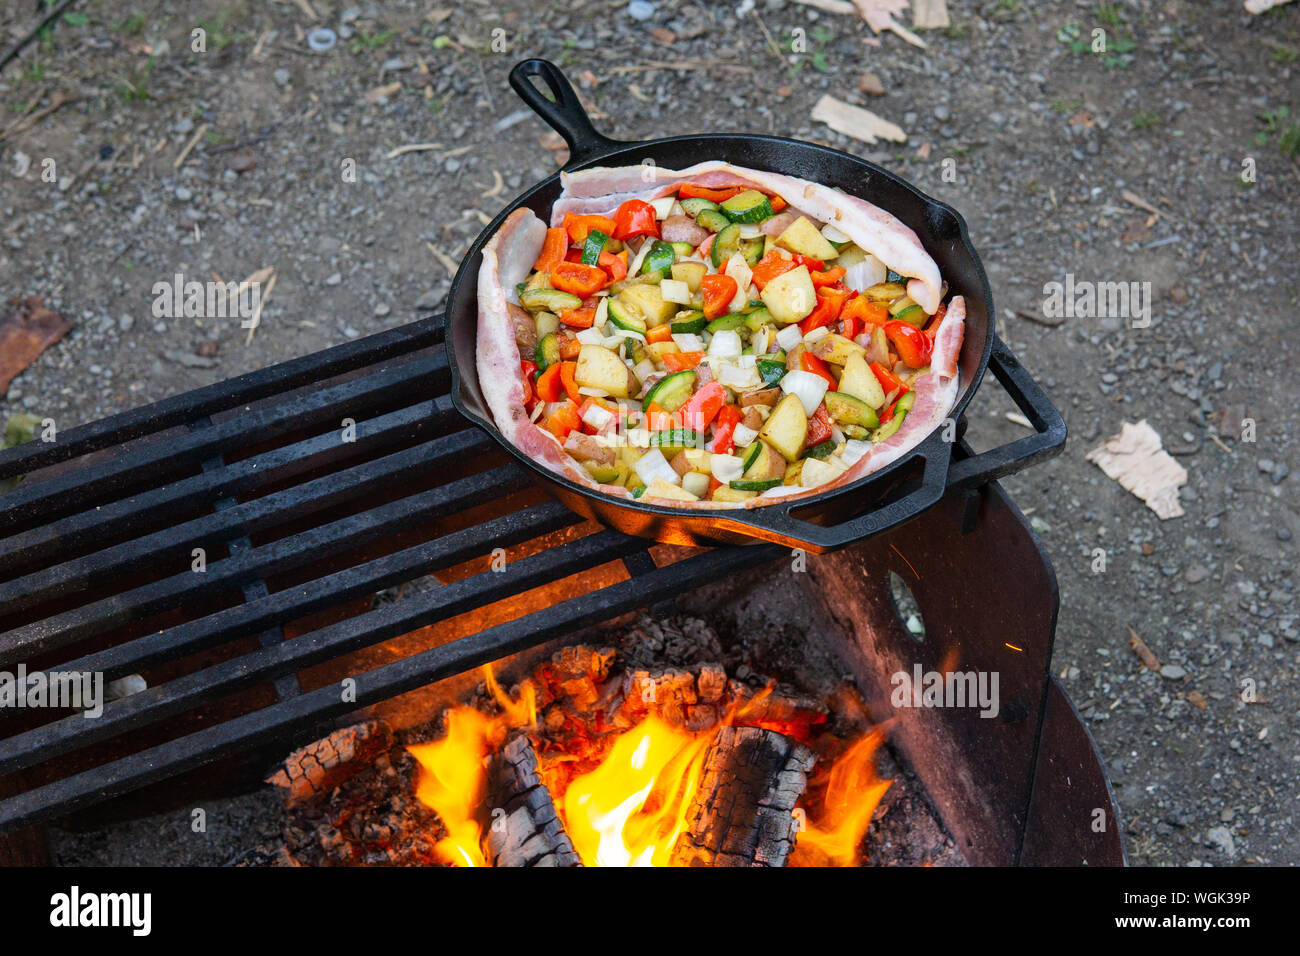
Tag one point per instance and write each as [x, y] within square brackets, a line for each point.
[1046, 442]
[776, 522]
[564, 113]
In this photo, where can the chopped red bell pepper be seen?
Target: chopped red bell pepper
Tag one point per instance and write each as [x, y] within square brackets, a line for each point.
[718, 291]
[827, 310]
[691, 191]
[714, 485]
[581, 280]
[568, 372]
[677, 361]
[702, 408]
[770, 266]
[914, 346]
[615, 265]
[819, 427]
[569, 347]
[564, 419]
[578, 226]
[936, 320]
[706, 245]
[550, 387]
[660, 333]
[724, 429]
[635, 218]
[814, 265]
[887, 379]
[811, 363]
[829, 277]
[553, 249]
[866, 311]
[582, 318]
[528, 368]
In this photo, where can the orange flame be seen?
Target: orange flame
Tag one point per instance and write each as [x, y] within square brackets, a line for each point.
[631, 809]
[453, 770]
[851, 792]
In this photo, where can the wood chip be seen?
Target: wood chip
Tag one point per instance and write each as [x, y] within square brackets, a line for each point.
[382, 92]
[930, 14]
[1136, 200]
[1148, 659]
[1197, 699]
[411, 148]
[830, 6]
[1137, 460]
[663, 35]
[879, 15]
[27, 328]
[855, 121]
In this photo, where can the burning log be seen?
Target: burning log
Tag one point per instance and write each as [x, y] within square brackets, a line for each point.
[525, 828]
[743, 814]
[319, 767]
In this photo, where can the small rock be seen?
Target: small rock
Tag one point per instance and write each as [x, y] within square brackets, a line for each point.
[241, 160]
[785, 92]
[870, 84]
[641, 9]
[1283, 533]
[1178, 294]
[334, 278]
[188, 360]
[322, 39]
[664, 36]
[281, 77]
[208, 348]
[1266, 465]
[125, 322]
[382, 310]
[184, 194]
[184, 125]
[1196, 574]
[1172, 672]
[941, 112]
[1221, 839]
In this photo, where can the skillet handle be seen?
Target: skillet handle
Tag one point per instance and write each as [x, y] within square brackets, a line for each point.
[562, 110]
[1046, 442]
[776, 523]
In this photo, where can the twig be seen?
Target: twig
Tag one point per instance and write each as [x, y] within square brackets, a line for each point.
[31, 35]
[411, 148]
[771, 44]
[198, 133]
[61, 100]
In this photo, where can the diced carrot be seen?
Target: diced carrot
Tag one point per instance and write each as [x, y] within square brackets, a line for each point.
[553, 249]
[549, 384]
[777, 203]
[718, 291]
[578, 279]
[567, 372]
[660, 333]
[564, 419]
[829, 277]
[677, 361]
[578, 318]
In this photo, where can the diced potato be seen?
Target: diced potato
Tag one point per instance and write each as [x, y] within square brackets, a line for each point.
[787, 428]
[697, 459]
[859, 381]
[885, 291]
[727, 493]
[792, 472]
[662, 489]
[836, 348]
[648, 301]
[790, 296]
[768, 464]
[850, 255]
[691, 273]
[659, 349]
[598, 367]
[762, 396]
[696, 483]
[675, 290]
[803, 237]
[817, 472]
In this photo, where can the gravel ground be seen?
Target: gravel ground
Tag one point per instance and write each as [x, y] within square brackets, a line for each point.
[1036, 144]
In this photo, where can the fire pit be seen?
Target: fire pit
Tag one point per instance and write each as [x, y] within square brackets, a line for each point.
[216, 557]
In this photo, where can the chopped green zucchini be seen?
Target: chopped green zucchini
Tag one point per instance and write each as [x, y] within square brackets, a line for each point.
[823, 450]
[693, 207]
[593, 247]
[624, 317]
[771, 372]
[547, 352]
[693, 322]
[548, 300]
[682, 248]
[692, 273]
[712, 220]
[744, 484]
[727, 323]
[660, 259]
[748, 206]
[758, 318]
[671, 392]
[766, 464]
[725, 245]
[850, 410]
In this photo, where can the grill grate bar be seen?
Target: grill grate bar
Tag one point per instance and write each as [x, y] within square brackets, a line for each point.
[222, 396]
[279, 556]
[303, 713]
[373, 627]
[132, 515]
[236, 520]
[31, 503]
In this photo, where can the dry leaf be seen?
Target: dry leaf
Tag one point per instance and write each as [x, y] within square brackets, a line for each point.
[855, 121]
[27, 329]
[1148, 659]
[1137, 460]
[870, 83]
[382, 92]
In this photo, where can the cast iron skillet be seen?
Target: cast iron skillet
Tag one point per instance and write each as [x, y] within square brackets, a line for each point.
[866, 507]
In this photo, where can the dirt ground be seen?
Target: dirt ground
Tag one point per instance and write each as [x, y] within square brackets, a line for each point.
[1171, 158]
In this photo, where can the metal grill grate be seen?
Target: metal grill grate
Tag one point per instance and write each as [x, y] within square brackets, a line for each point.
[97, 548]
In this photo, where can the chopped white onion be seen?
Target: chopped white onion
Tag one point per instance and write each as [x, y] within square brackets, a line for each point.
[739, 270]
[780, 491]
[674, 290]
[639, 438]
[743, 435]
[644, 369]
[726, 468]
[689, 342]
[654, 465]
[761, 340]
[833, 235]
[597, 417]
[589, 390]
[591, 336]
[735, 377]
[726, 344]
[750, 230]
[602, 312]
[816, 335]
[634, 268]
[836, 434]
[747, 361]
[863, 275]
[810, 388]
[853, 451]
[663, 207]
[696, 482]
[789, 337]
[537, 411]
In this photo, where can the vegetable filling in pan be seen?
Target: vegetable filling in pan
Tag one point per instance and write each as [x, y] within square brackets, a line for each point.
[715, 337]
